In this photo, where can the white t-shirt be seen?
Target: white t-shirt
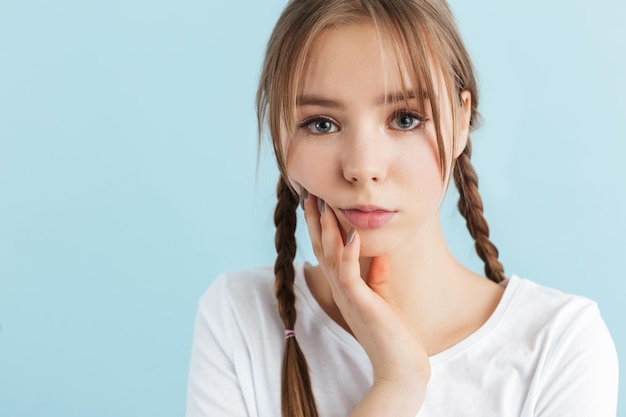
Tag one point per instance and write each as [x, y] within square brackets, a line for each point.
[541, 353]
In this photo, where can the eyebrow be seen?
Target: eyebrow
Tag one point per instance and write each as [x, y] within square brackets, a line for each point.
[313, 100]
[400, 96]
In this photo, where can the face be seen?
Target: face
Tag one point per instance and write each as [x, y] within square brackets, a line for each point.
[370, 154]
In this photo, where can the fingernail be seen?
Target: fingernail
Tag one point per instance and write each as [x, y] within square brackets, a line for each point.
[350, 236]
[321, 205]
[304, 195]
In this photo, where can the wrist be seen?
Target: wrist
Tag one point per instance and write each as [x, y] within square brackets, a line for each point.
[406, 384]
[398, 398]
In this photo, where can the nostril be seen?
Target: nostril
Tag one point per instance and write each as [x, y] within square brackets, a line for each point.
[356, 179]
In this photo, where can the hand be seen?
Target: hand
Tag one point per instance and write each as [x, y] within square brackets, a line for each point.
[395, 351]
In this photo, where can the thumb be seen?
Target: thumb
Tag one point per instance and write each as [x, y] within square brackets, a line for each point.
[378, 276]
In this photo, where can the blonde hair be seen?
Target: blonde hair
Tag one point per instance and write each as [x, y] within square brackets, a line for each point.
[423, 36]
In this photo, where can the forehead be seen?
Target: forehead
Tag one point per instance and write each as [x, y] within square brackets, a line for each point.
[339, 55]
[358, 59]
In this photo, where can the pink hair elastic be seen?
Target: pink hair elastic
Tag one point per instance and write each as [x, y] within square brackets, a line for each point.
[289, 333]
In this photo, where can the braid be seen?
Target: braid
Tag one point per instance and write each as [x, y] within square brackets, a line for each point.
[471, 207]
[296, 394]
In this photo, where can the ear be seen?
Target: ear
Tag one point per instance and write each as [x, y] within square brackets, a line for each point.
[464, 119]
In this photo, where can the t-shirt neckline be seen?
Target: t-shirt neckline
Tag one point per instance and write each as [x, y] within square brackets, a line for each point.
[510, 288]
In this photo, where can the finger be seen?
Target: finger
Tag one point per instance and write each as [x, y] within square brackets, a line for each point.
[350, 277]
[312, 217]
[303, 195]
[332, 242]
[378, 276]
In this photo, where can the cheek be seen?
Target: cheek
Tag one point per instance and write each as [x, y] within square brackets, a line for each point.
[418, 169]
[424, 178]
[293, 161]
[307, 166]
[419, 156]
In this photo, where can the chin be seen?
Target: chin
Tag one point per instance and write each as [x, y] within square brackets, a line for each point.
[373, 246]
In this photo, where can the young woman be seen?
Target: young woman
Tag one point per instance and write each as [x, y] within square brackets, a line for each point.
[370, 104]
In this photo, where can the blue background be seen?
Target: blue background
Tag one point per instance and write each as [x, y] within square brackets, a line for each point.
[128, 178]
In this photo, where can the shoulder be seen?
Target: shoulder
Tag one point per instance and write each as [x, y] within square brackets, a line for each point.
[237, 339]
[238, 307]
[549, 305]
[576, 356]
[555, 325]
[246, 289]
[537, 320]
[570, 328]
[241, 283]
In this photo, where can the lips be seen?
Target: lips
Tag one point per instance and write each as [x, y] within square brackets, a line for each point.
[368, 217]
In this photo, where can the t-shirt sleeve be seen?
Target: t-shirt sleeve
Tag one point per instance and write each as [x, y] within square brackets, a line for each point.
[581, 374]
[213, 388]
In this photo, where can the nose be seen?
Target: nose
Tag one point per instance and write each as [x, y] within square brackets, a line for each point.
[364, 159]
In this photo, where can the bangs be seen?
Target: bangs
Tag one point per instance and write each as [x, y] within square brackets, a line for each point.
[404, 37]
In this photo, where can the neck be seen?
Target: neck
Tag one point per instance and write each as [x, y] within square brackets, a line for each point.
[425, 276]
[443, 300]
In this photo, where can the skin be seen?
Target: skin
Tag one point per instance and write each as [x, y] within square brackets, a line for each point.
[396, 288]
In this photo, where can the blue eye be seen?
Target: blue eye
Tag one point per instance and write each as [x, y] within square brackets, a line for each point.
[319, 126]
[405, 121]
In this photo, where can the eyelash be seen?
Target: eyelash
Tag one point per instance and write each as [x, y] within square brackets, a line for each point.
[307, 124]
[400, 113]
